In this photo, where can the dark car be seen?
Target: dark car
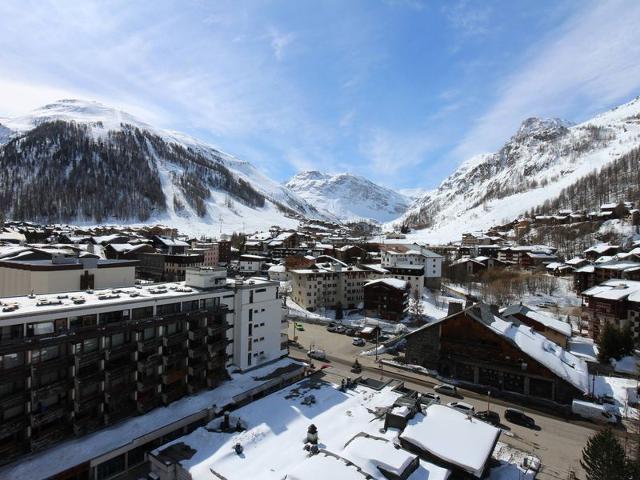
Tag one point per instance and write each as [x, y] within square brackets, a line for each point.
[350, 332]
[519, 417]
[488, 416]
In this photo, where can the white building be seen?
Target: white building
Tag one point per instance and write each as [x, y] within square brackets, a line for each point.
[414, 255]
[251, 263]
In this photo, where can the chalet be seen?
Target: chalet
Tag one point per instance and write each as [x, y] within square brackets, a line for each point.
[597, 251]
[252, 263]
[577, 262]
[160, 267]
[478, 347]
[386, 298]
[527, 255]
[557, 331]
[351, 253]
[614, 301]
[466, 266]
[127, 251]
[170, 246]
[584, 278]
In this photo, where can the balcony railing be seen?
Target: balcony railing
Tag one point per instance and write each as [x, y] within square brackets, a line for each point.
[216, 346]
[84, 359]
[53, 364]
[13, 426]
[48, 416]
[120, 351]
[173, 376]
[42, 440]
[174, 339]
[149, 344]
[53, 388]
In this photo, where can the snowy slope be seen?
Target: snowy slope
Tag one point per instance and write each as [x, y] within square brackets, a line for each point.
[348, 197]
[222, 210]
[542, 158]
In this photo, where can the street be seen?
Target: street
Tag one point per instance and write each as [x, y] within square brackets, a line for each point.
[558, 442]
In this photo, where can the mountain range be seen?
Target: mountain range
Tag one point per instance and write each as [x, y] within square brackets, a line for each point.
[348, 197]
[83, 162]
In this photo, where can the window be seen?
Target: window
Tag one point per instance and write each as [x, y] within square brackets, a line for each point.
[11, 360]
[114, 317]
[116, 340]
[42, 328]
[89, 345]
[111, 467]
[44, 354]
[10, 332]
[251, 315]
[168, 309]
[141, 313]
[149, 332]
[190, 306]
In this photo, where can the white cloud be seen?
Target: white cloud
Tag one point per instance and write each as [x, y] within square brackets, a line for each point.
[589, 63]
[467, 18]
[390, 154]
[280, 41]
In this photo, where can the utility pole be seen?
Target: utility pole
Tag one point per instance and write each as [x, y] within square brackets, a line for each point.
[377, 335]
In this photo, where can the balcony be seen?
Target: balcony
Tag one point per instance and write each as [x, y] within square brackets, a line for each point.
[44, 439]
[216, 346]
[148, 403]
[196, 370]
[173, 358]
[149, 345]
[196, 335]
[174, 339]
[198, 352]
[217, 329]
[86, 424]
[54, 388]
[174, 393]
[12, 426]
[173, 376]
[85, 359]
[13, 399]
[11, 450]
[119, 393]
[119, 412]
[49, 415]
[119, 351]
[85, 379]
[117, 373]
[150, 361]
[54, 364]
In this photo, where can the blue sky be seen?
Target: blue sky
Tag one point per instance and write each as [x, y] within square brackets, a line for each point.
[400, 91]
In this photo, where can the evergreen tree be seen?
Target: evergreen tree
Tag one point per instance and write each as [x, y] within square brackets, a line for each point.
[603, 457]
[339, 312]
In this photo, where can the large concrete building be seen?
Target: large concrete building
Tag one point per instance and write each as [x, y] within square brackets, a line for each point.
[63, 274]
[414, 255]
[74, 363]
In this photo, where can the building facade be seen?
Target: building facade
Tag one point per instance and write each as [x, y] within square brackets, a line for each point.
[72, 364]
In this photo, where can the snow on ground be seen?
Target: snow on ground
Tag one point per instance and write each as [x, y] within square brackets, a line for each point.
[623, 390]
[435, 308]
[76, 451]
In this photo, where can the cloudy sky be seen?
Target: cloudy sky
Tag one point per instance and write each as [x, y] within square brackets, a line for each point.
[401, 91]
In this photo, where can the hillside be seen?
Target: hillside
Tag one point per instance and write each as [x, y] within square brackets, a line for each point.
[77, 161]
[348, 197]
[541, 159]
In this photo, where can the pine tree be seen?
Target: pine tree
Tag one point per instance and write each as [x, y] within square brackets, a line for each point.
[603, 457]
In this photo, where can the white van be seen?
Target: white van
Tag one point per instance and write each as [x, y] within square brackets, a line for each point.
[593, 411]
[317, 354]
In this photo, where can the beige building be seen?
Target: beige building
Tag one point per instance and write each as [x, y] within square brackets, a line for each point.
[63, 274]
[328, 286]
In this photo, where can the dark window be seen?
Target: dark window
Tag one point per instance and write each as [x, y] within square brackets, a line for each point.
[83, 321]
[111, 467]
[168, 309]
[113, 317]
[142, 313]
[11, 360]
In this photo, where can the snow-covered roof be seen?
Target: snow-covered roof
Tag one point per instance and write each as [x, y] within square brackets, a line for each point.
[172, 242]
[575, 261]
[614, 289]
[561, 327]
[601, 248]
[452, 436]
[277, 269]
[343, 422]
[250, 257]
[391, 282]
[586, 269]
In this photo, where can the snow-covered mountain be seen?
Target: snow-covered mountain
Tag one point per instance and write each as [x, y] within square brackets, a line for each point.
[85, 162]
[538, 161]
[348, 197]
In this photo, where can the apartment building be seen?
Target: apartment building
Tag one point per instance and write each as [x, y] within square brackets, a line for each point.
[409, 256]
[328, 285]
[75, 363]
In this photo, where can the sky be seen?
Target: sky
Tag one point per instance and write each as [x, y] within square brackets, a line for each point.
[399, 91]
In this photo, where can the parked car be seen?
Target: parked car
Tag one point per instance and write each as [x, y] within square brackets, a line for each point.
[350, 332]
[317, 354]
[488, 416]
[462, 407]
[446, 389]
[519, 417]
[340, 329]
[358, 342]
[331, 328]
[428, 397]
[299, 327]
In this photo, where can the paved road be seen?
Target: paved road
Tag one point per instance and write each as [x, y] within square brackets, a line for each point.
[558, 442]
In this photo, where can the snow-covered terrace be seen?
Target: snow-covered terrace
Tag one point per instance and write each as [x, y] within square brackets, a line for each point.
[352, 444]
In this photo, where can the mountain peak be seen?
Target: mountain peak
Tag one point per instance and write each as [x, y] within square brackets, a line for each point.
[542, 128]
